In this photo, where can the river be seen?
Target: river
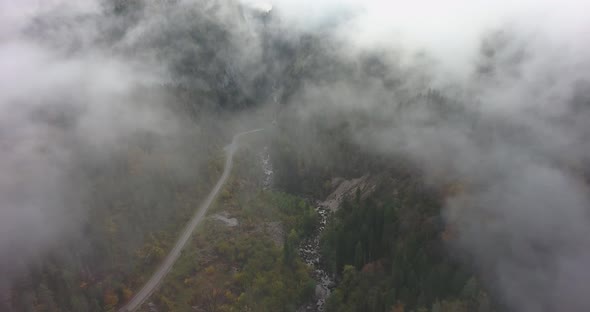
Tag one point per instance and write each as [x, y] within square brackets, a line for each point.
[310, 253]
[309, 250]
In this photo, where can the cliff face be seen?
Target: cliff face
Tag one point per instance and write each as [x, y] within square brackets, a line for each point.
[348, 189]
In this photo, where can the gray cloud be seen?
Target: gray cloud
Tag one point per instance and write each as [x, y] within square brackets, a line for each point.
[506, 116]
[492, 94]
[76, 91]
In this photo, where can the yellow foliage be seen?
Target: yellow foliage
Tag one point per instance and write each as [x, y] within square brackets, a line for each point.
[223, 248]
[230, 296]
[158, 252]
[225, 194]
[110, 298]
[210, 270]
[127, 293]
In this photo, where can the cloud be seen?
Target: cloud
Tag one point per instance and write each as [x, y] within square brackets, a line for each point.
[449, 31]
[490, 93]
[68, 102]
[82, 82]
[493, 94]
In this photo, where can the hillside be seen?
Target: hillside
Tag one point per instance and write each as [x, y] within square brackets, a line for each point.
[407, 157]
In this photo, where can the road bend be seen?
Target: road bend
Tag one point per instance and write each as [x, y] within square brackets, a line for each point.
[150, 286]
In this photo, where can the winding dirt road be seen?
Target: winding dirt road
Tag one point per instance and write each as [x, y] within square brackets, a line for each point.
[151, 285]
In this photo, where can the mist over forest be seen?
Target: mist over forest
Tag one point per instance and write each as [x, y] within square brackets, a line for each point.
[452, 136]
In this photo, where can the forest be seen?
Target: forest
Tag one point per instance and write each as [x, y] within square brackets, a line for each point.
[403, 161]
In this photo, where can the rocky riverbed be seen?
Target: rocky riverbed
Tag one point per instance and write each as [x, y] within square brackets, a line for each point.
[309, 249]
[310, 253]
[267, 168]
